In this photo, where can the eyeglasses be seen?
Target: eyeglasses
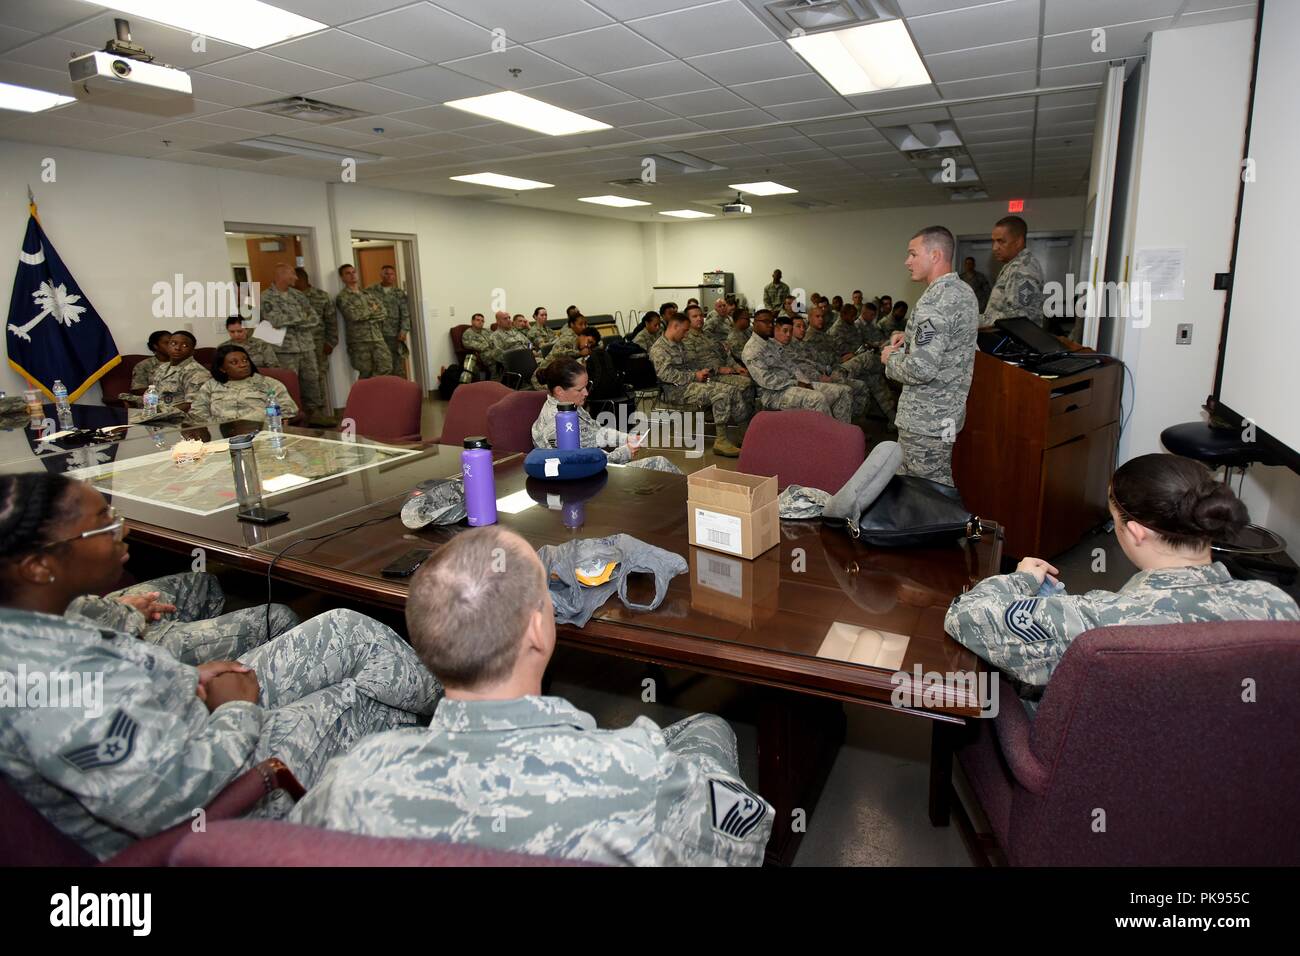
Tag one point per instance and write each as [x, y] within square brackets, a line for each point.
[116, 527]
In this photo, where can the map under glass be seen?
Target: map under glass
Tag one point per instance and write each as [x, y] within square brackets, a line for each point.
[207, 486]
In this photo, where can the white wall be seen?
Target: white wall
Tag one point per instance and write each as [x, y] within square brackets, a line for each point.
[832, 252]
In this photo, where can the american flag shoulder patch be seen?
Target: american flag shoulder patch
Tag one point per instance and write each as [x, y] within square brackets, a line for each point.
[116, 746]
[1020, 619]
[736, 811]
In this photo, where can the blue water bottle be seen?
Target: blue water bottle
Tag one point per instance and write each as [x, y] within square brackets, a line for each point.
[275, 426]
[61, 404]
[480, 482]
[567, 434]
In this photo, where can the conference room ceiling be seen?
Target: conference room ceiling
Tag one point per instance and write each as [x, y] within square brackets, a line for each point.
[1017, 78]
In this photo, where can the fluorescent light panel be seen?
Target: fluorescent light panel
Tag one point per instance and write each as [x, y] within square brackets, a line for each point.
[620, 201]
[864, 59]
[527, 113]
[501, 182]
[297, 147]
[249, 23]
[762, 189]
[24, 99]
[686, 214]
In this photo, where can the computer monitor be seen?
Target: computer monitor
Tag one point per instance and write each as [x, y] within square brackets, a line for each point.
[1031, 336]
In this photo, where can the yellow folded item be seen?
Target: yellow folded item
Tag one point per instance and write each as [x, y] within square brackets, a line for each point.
[595, 574]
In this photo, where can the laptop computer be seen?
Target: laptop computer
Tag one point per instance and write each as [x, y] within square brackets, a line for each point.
[1044, 353]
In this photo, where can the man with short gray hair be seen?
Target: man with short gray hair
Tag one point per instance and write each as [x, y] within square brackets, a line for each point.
[503, 767]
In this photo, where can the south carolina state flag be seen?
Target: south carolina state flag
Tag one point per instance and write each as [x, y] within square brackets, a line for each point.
[53, 331]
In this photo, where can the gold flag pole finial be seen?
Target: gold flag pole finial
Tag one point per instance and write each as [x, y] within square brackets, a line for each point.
[31, 202]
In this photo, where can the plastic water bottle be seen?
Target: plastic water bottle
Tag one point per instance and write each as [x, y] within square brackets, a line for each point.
[480, 482]
[61, 404]
[275, 426]
[150, 401]
[35, 409]
[567, 434]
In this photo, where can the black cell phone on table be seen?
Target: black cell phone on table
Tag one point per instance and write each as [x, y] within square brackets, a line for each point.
[407, 564]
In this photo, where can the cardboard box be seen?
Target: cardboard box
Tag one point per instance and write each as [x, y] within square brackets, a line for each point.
[732, 512]
[743, 592]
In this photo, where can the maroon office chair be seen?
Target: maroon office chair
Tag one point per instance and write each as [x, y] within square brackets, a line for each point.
[118, 379]
[289, 379]
[205, 355]
[28, 839]
[1148, 725]
[457, 345]
[385, 408]
[467, 411]
[802, 447]
[510, 421]
[273, 843]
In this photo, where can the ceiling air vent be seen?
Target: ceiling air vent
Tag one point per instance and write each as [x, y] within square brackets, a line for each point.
[968, 193]
[808, 16]
[810, 203]
[307, 110]
[632, 182]
[235, 151]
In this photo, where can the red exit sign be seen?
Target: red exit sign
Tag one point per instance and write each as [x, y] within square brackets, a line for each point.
[1016, 205]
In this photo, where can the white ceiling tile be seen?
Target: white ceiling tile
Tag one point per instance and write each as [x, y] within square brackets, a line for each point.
[1069, 75]
[49, 53]
[342, 138]
[1068, 49]
[262, 69]
[889, 99]
[258, 122]
[769, 61]
[425, 31]
[793, 89]
[141, 114]
[11, 37]
[975, 26]
[1007, 135]
[698, 104]
[443, 142]
[525, 22]
[399, 148]
[934, 114]
[627, 9]
[856, 124]
[733, 119]
[661, 79]
[1199, 6]
[439, 118]
[1065, 16]
[393, 126]
[434, 83]
[46, 16]
[612, 47]
[993, 60]
[1056, 101]
[166, 44]
[992, 107]
[494, 68]
[671, 127]
[970, 124]
[219, 89]
[628, 114]
[346, 54]
[367, 97]
[809, 109]
[581, 94]
[701, 29]
[335, 12]
[198, 130]
[1217, 16]
[990, 85]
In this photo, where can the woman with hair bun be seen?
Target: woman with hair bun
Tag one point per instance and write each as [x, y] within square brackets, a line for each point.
[1167, 510]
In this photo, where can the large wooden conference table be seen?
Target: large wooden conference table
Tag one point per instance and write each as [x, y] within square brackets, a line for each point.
[759, 622]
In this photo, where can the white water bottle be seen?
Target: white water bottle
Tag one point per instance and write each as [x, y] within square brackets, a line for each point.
[61, 404]
[151, 401]
[275, 426]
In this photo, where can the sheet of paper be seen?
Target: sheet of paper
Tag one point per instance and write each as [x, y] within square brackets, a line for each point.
[283, 482]
[1162, 271]
[267, 332]
[513, 504]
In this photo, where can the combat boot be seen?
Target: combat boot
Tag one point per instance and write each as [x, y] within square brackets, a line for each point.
[725, 448]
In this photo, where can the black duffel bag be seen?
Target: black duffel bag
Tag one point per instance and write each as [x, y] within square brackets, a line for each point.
[913, 513]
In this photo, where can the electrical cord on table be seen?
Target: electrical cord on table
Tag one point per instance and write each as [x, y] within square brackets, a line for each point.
[320, 537]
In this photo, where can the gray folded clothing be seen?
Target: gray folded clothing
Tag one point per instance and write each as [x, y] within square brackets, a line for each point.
[866, 484]
[437, 501]
[800, 503]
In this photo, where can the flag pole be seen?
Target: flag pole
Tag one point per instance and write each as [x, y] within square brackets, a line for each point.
[31, 203]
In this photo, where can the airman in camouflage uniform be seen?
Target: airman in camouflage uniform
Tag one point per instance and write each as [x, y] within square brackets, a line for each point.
[777, 378]
[680, 384]
[845, 335]
[156, 753]
[738, 337]
[504, 340]
[397, 320]
[180, 383]
[703, 351]
[775, 292]
[978, 282]
[1018, 289]
[144, 371]
[646, 339]
[262, 353]
[566, 342]
[244, 399]
[364, 316]
[811, 366]
[197, 631]
[864, 366]
[287, 308]
[539, 333]
[326, 330]
[1005, 622]
[718, 322]
[934, 366]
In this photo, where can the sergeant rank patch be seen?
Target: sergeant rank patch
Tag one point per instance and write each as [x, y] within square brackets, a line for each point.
[109, 752]
[925, 332]
[736, 811]
[1020, 618]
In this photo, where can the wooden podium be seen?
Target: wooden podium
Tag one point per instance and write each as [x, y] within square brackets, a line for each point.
[1036, 454]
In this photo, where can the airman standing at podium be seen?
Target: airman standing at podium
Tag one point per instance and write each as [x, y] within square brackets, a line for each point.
[933, 359]
[1019, 286]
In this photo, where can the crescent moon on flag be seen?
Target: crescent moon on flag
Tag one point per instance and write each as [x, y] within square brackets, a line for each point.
[32, 259]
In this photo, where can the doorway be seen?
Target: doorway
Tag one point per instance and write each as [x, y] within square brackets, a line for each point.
[1054, 252]
[371, 251]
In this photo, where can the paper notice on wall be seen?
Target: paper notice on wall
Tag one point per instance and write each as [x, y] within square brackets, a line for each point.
[267, 332]
[1161, 272]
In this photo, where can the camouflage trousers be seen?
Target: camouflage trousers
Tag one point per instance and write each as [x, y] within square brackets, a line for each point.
[198, 631]
[397, 352]
[309, 378]
[926, 456]
[329, 682]
[868, 369]
[370, 359]
[825, 397]
[706, 735]
[728, 402]
[858, 388]
[745, 385]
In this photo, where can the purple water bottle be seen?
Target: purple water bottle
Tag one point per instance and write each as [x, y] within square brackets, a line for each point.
[566, 426]
[480, 482]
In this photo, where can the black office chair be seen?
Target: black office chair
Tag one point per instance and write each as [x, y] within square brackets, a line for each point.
[1254, 547]
[519, 366]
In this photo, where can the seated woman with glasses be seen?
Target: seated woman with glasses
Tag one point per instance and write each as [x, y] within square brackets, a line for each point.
[1166, 510]
[238, 391]
[126, 740]
[565, 380]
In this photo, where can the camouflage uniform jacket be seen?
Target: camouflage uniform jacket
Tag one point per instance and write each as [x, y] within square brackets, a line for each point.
[535, 775]
[326, 331]
[152, 756]
[540, 335]
[672, 367]
[504, 340]
[774, 294]
[1003, 621]
[182, 381]
[717, 325]
[1017, 291]
[704, 351]
[262, 353]
[243, 400]
[396, 309]
[736, 341]
[646, 339]
[590, 434]
[144, 370]
[290, 310]
[771, 368]
[845, 338]
[937, 359]
[979, 284]
[819, 343]
[566, 341]
[364, 314]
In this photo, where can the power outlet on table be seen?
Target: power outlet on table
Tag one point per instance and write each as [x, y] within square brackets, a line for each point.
[1184, 336]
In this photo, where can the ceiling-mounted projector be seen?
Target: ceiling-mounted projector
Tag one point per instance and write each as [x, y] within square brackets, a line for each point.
[737, 207]
[123, 66]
